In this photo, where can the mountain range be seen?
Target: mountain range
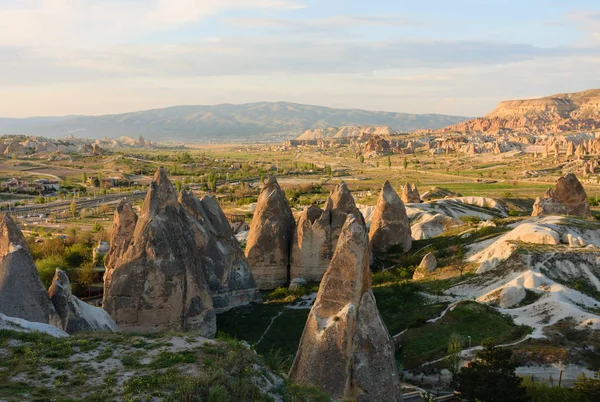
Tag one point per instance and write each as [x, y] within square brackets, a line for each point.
[221, 123]
[577, 111]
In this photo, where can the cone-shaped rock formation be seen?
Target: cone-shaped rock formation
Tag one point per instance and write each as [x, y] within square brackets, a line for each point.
[345, 347]
[318, 231]
[268, 248]
[389, 226]
[568, 198]
[75, 315]
[312, 243]
[122, 233]
[410, 194]
[159, 281]
[228, 275]
[22, 293]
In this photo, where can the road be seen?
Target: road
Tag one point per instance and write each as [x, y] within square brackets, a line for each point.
[81, 203]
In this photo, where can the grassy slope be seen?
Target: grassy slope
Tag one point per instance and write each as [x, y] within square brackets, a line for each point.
[107, 367]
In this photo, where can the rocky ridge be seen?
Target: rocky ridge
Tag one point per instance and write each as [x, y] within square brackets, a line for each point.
[579, 111]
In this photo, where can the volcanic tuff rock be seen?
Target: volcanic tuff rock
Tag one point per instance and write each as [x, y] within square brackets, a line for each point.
[22, 293]
[312, 244]
[121, 235]
[551, 114]
[75, 315]
[345, 347]
[428, 265]
[389, 226]
[159, 282]
[568, 198]
[317, 233]
[269, 243]
[229, 277]
[410, 194]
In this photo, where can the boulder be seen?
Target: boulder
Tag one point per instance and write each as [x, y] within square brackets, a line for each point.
[75, 315]
[158, 281]
[268, 248]
[389, 225]
[20, 325]
[511, 296]
[428, 265]
[568, 198]
[410, 194]
[22, 293]
[297, 283]
[345, 348]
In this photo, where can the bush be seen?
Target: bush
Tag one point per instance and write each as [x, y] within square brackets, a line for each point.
[471, 220]
[46, 267]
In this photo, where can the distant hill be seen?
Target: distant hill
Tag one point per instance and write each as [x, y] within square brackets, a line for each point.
[578, 111]
[221, 123]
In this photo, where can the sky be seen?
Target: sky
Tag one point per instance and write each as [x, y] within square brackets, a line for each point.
[459, 57]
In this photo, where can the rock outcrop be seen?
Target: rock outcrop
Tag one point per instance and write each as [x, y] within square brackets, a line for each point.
[159, 281]
[123, 228]
[568, 198]
[511, 296]
[410, 194]
[22, 293]
[579, 111]
[389, 226]
[428, 265]
[227, 272]
[75, 315]
[317, 233]
[269, 244]
[345, 347]
[311, 249]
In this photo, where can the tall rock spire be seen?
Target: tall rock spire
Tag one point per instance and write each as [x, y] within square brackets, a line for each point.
[345, 348]
[389, 226]
[268, 248]
[22, 293]
[159, 281]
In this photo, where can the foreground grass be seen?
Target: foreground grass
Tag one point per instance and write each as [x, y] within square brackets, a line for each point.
[107, 367]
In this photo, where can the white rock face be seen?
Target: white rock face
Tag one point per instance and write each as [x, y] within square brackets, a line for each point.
[549, 230]
[76, 315]
[20, 325]
[428, 226]
[510, 296]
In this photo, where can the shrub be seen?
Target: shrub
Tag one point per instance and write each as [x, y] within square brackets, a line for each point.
[46, 267]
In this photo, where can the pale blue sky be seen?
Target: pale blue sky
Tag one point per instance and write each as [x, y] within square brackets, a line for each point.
[457, 57]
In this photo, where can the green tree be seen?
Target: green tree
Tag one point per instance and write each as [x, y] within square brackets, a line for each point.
[389, 162]
[491, 377]
[84, 177]
[361, 159]
[405, 163]
[454, 348]
[73, 208]
[178, 185]
[589, 387]
[46, 267]
[86, 276]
